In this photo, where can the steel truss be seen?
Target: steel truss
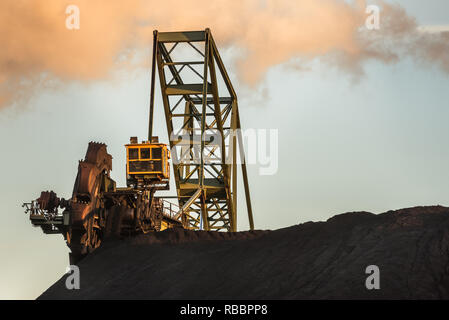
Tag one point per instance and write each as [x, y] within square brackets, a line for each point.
[203, 125]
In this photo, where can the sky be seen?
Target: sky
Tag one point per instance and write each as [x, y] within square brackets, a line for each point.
[372, 141]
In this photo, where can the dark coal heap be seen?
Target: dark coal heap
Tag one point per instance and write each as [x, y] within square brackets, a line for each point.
[314, 260]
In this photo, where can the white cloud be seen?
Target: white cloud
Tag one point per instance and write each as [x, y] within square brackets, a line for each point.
[434, 28]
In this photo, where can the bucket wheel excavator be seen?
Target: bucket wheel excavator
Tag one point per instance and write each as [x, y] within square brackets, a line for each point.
[204, 147]
[98, 209]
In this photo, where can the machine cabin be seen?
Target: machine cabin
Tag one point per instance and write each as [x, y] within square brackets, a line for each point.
[146, 162]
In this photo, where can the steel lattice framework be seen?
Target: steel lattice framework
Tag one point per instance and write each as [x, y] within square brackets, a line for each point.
[203, 124]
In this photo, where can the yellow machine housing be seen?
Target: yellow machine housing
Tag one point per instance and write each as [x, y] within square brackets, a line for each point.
[147, 162]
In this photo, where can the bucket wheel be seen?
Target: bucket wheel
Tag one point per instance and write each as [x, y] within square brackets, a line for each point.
[85, 234]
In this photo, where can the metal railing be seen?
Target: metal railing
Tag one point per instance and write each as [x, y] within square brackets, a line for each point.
[169, 209]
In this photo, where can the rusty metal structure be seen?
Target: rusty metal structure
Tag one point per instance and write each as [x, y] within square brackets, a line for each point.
[203, 127]
[98, 209]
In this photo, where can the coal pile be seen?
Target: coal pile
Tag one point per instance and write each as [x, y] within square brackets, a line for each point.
[314, 260]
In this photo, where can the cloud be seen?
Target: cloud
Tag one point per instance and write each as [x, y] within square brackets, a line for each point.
[37, 46]
[434, 28]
